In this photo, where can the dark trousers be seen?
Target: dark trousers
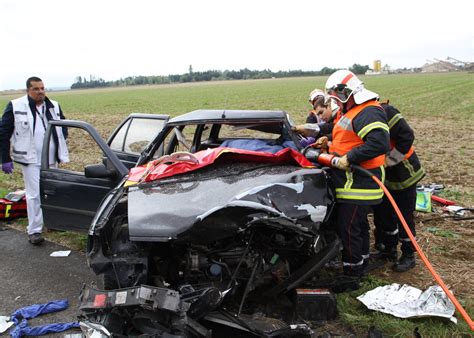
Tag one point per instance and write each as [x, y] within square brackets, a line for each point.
[388, 228]
[353, 229]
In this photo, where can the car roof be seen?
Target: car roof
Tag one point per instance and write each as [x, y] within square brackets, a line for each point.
[226, 115]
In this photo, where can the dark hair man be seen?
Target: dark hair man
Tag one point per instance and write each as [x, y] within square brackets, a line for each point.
[22, 129]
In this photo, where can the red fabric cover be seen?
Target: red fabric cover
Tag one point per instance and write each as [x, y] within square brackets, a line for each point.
[209, 156]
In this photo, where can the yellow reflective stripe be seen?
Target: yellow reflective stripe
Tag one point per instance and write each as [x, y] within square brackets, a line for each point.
[408, 182]
[394, 120]
[349, 180]
[382, 168]
[374, 125]
[409, 167]
[359, 194]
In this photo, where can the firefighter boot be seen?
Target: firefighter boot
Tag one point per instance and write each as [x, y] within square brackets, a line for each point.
[405, 263]
[385, 253]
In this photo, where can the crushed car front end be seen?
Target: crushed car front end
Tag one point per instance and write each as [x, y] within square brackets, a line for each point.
[227, 243]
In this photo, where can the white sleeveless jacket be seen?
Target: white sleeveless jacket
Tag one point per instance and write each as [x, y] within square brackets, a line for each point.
[22, 140]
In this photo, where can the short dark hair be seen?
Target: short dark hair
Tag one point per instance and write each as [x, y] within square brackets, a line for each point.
[320, 101]
[32, 79]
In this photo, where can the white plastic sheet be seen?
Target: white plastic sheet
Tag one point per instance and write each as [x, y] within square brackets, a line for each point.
[5, 323]
[64, 253]
[406, 301]
[94, 330]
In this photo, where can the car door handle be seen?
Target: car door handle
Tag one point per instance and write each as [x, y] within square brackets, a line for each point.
[50, 191]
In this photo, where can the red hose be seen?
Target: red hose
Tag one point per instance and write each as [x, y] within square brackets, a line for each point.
[418, 249]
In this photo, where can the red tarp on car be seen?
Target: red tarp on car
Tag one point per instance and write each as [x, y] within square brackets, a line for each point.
[183, 162]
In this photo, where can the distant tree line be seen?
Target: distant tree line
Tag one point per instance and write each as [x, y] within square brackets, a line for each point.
[209, 75]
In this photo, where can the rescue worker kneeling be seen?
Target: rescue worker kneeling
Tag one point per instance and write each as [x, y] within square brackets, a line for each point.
[360, 136]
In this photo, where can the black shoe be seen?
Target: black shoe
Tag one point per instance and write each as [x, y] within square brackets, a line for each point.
[387, 254]
[405, 263]
[345, 283]
[379, 247]
[35, 238]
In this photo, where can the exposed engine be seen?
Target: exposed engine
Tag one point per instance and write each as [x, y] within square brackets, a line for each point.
[240, 259]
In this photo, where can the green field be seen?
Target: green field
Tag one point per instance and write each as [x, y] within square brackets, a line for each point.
[415, 94]
[439, 107]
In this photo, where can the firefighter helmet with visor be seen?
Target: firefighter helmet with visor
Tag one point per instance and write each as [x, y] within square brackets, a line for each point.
[343, 84]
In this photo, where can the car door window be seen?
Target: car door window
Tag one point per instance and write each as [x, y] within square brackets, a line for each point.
[118, 142]
[83, 150]
[136, 134]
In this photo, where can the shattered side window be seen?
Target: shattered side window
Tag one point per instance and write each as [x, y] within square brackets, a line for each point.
[206, 132]
[179, 139]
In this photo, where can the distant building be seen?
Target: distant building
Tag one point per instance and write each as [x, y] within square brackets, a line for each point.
[448, 65]
[377, 69]
[440, 66]
[377, 66]
[436, 66]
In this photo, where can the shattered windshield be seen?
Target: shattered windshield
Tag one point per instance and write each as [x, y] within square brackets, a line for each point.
[265, 136]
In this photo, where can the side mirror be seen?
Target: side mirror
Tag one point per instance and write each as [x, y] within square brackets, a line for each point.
[98, 171]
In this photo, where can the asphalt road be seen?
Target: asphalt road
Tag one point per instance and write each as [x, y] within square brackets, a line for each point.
[28, 275]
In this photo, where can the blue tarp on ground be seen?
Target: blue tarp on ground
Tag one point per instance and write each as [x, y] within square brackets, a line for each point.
[20, 316]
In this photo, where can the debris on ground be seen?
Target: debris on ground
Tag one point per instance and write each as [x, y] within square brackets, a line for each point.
[20, 316]
[423, 201]
[94, 330]
[63, 253]
[15, 196]
[5, 323]
[405, 301]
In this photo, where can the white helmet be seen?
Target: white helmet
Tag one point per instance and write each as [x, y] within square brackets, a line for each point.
[342, 84]
[315, 93]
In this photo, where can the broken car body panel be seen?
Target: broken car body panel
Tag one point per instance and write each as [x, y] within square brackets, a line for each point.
[298, 195]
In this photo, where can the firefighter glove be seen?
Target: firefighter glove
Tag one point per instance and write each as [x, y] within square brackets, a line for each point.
[307, 129]
[7, 168]
[321, 143]
[342, 163]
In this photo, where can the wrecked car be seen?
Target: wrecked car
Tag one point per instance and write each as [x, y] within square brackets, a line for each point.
[218, 222]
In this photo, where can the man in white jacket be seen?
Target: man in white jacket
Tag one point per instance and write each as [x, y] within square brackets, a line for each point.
[22, 131]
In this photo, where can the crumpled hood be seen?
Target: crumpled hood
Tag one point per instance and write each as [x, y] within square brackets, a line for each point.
[214, 202]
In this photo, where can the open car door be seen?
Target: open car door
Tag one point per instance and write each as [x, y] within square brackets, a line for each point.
[72, 192]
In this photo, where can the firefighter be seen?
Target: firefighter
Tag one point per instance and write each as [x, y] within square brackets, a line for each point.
[360, 136]
[319, 121]
[403, 171]
[324, 108]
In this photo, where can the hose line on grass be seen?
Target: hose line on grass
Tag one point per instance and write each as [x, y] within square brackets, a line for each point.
[417, 247]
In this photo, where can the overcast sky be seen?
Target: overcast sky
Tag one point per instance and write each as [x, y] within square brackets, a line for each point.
[58, 40]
